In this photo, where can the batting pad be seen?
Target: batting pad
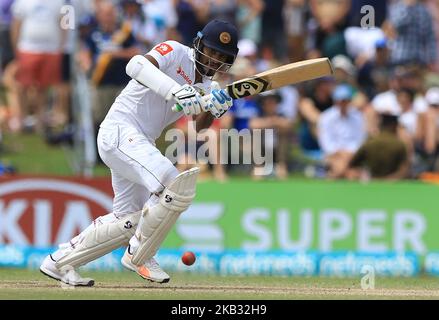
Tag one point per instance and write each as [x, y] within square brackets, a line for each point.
[156, 222]
[101, 240]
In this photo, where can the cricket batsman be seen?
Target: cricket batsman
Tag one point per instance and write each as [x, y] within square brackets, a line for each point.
[149, 192]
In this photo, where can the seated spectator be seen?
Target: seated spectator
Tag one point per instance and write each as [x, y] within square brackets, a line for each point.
[431, 146]
[412, 130]
[345, 72]
[317, 100]
[383, 156]
[387, 102]
[373, 73]
[341, 131]
[270, 117]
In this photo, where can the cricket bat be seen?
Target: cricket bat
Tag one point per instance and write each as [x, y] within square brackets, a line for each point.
[278, 77]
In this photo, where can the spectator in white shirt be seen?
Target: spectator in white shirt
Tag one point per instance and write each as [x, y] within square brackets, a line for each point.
[38, 39]
[341, 131]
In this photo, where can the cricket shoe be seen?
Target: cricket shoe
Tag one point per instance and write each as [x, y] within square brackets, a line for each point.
[150, 270]
[68, 276]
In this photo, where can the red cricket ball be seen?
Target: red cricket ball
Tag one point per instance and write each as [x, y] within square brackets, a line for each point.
[188, 258]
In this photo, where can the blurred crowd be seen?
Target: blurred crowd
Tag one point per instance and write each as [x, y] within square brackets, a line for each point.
[378, 117]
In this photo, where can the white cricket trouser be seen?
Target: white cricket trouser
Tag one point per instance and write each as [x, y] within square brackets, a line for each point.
[137, 167]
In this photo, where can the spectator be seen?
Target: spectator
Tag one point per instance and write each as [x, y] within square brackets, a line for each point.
[387, 102]
[249, 50]
[271, 118]
[243, 110]
[408, 118]
[345, 72]
[295, 14]
[341, 131]
[161, 20]
[412, 129]
[374, 72]
[132, 13]
[106, 53]
[432, 130]
[383, 156]
[38, 40]
[364, 49]
[433, 8]
[192, 15]
[311, 106]
[327, 29]
[223, 10]
[273, 30]
[249, 19]
[6, 53]
[414, 37]
[8, 68]
[61, 122]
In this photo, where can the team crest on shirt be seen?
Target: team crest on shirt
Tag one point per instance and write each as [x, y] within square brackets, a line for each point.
[181, 72]
[163, 48]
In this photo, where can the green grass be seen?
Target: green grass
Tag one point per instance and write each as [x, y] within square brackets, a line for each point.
[25, 284]
[31, 155]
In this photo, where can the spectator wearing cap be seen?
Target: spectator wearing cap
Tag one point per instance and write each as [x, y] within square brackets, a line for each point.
[383, 156]
[373, 74]
[341, 131]
[432, 129]
[271, 117]
[345, 72]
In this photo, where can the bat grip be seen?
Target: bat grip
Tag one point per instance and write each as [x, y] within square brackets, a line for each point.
[177, 108]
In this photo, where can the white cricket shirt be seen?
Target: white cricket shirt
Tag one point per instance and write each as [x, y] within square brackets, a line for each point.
[147, 111]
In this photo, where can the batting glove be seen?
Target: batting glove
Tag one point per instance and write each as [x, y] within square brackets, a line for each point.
[189, 99]
[218, 101]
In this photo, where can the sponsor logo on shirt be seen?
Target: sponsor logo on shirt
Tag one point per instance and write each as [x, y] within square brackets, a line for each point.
[181, 72]
[163, 48]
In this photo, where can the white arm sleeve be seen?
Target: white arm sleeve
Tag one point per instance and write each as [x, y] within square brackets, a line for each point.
[141, 69]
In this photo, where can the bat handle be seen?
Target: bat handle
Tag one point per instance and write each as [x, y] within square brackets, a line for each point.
[177, 108]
